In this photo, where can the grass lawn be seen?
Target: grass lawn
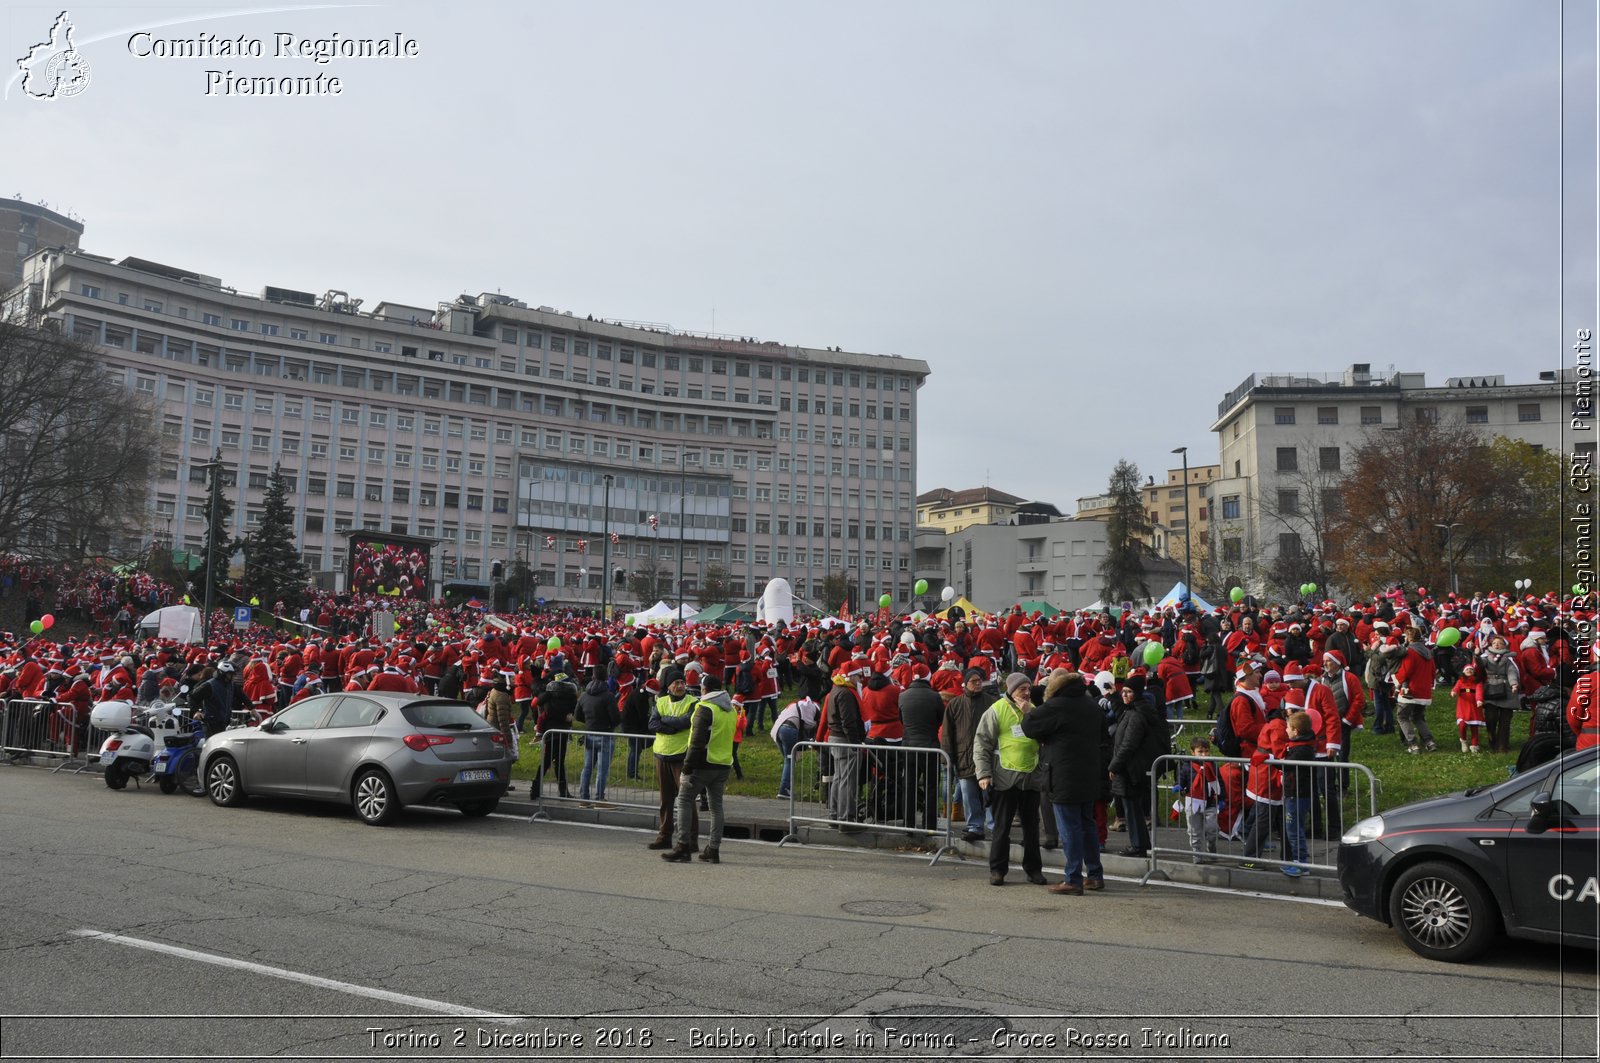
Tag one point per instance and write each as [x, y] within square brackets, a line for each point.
[1401, 777]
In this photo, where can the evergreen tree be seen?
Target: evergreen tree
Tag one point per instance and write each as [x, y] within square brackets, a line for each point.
[219, 518]
[836, 590]
[1122, 570]
[273, 567]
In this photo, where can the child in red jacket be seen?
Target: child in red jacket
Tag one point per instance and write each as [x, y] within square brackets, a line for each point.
[1468, 693]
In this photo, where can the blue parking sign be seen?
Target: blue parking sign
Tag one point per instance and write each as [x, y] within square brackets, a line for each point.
[241, 616]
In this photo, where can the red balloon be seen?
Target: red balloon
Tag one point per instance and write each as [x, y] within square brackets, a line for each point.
[1422, 590]
[48, 620]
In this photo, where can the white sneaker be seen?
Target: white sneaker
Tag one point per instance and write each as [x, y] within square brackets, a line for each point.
[1476, 750]
[1464, 745]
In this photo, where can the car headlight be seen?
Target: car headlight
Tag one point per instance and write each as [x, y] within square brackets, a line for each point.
[1370, 829]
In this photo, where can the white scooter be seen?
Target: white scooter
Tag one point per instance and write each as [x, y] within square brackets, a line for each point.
[136, 736]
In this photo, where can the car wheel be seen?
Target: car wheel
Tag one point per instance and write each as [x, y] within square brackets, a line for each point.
[1441, 912]
[222, 782]
[375, 798]
[479, 808]
[116, 776]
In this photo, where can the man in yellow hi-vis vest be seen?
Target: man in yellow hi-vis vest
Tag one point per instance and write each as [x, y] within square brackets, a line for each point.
[1007, 763]
[669, 722]
[705, 771]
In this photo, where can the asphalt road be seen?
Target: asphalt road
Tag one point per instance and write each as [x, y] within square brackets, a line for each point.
[138, 925]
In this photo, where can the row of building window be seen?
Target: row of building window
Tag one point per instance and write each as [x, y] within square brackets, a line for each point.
[1370, 415]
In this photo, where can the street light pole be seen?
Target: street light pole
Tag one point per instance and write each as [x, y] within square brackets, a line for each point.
[1450, 557]
[605, 554]
[683, 483]
[214, 485]
[1188, 531]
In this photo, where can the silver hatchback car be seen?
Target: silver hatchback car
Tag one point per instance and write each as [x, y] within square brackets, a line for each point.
[376, 751]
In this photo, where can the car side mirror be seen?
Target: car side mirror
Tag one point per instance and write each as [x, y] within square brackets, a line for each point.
[1544, 813]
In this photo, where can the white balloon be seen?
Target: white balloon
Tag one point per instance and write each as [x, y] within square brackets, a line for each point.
[948, 594]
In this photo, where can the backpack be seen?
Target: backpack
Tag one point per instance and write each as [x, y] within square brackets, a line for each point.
[1191, 654]
[1223, 734]
[744, 680]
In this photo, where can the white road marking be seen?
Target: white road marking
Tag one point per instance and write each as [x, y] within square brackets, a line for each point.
[921, 858]
[404, 999]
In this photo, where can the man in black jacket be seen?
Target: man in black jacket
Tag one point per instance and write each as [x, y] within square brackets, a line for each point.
[1074, 750]
[921, 713]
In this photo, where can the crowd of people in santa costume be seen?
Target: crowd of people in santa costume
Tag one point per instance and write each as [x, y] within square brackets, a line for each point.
[1387, 652]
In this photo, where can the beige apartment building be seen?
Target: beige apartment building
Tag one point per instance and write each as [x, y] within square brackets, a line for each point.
[1282, 438]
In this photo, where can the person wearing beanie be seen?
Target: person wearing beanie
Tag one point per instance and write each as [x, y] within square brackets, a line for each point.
[1074, 750]
[846, 732]
[669, 722]
[708, 758]
[961, 714]
[1007, 764]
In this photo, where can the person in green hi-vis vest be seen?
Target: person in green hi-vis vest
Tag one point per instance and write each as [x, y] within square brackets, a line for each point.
[1007, 763]
[706, 764]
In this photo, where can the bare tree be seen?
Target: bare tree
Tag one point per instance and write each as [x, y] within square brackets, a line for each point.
[651, 581]
[1400, 489]
[78, 448]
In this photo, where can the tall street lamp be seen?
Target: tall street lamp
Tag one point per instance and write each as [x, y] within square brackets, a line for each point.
[1450, 557]
[214, 485]
[683, 483]
[1188, 531]
[605, 554]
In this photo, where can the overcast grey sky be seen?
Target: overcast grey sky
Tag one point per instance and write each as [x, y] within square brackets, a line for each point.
[1091, 219]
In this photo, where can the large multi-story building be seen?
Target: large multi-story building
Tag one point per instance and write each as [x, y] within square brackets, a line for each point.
[24, 229]
[1283, 440]
[508, 433]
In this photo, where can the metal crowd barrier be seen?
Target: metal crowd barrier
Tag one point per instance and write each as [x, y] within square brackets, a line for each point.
[884, 787]
[558, 781]
[1341, 795]
[45, 729]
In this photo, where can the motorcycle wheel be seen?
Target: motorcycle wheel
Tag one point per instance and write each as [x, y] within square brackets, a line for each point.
[168, 784]
[116, 776]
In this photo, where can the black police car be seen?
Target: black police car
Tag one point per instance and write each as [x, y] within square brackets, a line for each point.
[1523, 857]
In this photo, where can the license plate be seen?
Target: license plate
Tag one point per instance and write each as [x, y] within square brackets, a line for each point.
[477, 775]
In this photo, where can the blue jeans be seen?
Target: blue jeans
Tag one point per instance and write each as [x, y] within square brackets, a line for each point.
[597, 750]
[978, 817]
[788, 737]
[1296, 820]
[636, 747]
[1080, 841]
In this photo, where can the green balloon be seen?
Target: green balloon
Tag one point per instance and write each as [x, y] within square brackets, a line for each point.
[921, 587]
[1449, 637]
[37, 627]
[1237, 594]
[1153, 652]
[1311, 588]
[553, 645]
[1577, 588]
[885, 601]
